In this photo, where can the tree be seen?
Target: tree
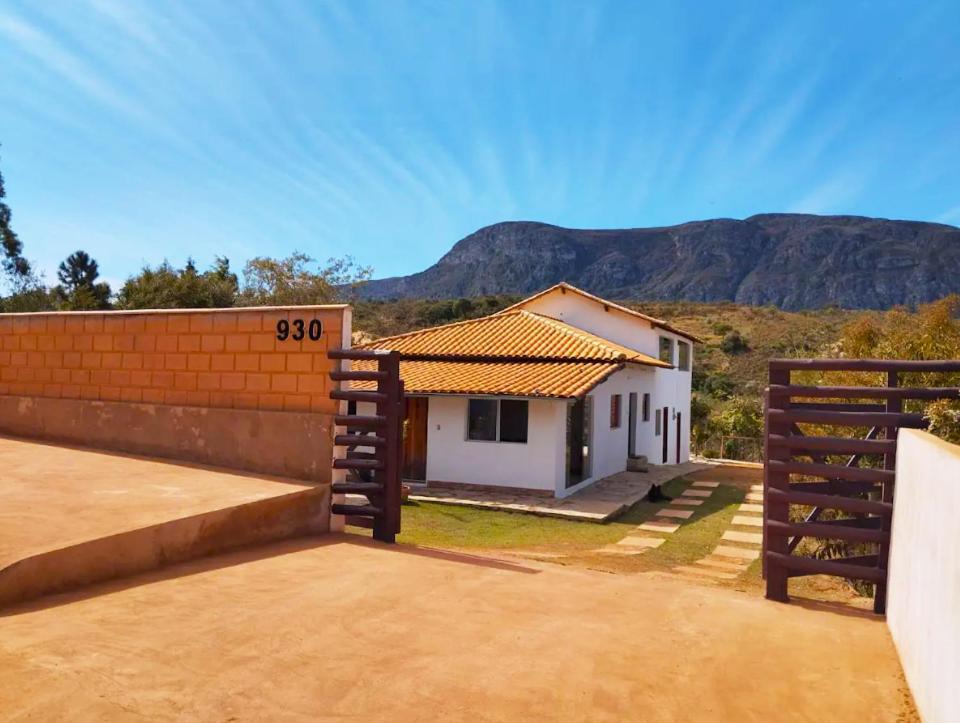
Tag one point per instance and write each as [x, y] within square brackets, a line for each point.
[166, 287]
[290, 281]
[78, 287]
[15, 267]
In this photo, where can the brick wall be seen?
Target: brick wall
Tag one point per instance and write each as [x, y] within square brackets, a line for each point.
[220, 358]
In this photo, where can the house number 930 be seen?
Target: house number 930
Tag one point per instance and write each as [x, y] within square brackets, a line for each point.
[300, 329]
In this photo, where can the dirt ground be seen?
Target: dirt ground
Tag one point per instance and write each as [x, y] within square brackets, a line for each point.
[340, 628]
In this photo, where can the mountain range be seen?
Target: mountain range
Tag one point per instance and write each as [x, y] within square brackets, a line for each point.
[793, 261]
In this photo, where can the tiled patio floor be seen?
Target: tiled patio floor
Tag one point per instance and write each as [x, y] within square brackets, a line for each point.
[599, 502]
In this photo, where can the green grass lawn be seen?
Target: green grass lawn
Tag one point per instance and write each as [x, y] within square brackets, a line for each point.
[464, 528]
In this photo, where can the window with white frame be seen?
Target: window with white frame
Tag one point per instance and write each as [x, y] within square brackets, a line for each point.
[497, 420]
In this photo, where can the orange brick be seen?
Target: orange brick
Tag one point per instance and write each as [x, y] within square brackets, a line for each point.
[185, 381]
[72, 325]
[98, 376]
[201, 323]
[5, 359]
[258, 382]
[35, 359]
[90, 359]
[322, 364]
[212, 342]
[296, 403]
[323, 404]
[80, 376]
[270, 401]
[70, 391]
[92, 324]
[134, 323]
[311, 384]
[120, 378]
[224, 321]
[37, 324]
[140, 378]
[178, 324]
[82, 342]
[18, 359]
[43, 374]
[111, 360]
[244, 400]
[208, 381]
[145, 342]
[102, 342]
[62, 342]
[221, 399]
[61, 375]
[153, 396]
[262, 342]
[156, 323]
[168, 342]
[28, 342]
[188, 343]
[164, 380]
[123, 342]
[51, 390]
[198, 362]
[110, 393]
[25, 374]
[273, 362]
[232, 381]
[113, 324]
[133, 360]
[46, 342]
[247, 362]
[174, 397]
[222, 362]
[175, 361]
[153, 361]
[72, 359]
[11, 343]
[198, 399]
[131, 394]
[237, 342]
[299, 363]
[249, 321]
[89, 392]
[283, 383]
[21, 325]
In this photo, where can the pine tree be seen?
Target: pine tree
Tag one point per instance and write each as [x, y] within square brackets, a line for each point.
[14, 265]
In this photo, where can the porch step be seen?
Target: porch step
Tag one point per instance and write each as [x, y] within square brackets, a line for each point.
[637, 463]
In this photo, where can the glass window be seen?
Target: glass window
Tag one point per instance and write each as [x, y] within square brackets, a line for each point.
[646, 407]
[657, 417]
[482, 419]
[666, 349]
[513, 420]
[684, 356]
[614, 411]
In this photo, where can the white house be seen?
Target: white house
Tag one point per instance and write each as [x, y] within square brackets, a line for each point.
[546, 396]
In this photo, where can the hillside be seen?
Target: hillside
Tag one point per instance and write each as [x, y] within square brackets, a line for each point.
[791, 261]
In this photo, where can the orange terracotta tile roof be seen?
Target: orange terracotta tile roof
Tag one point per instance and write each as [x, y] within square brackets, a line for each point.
[564, 287]
[518, 379]
[517, 335]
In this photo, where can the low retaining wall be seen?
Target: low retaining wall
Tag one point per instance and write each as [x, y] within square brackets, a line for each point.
[245, 389]
[923, 604]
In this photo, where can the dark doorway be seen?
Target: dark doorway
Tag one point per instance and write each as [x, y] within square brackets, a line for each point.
[578, 440]
[666, 433]
[632, 426]
[415, 438]
[679, 437]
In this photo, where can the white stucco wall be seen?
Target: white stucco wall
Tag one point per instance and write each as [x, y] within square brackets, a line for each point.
[670, 387]
[451, 457]
[923, 591]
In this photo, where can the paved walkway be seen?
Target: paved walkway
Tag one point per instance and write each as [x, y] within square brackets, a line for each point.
[739, 545]
[601, 501]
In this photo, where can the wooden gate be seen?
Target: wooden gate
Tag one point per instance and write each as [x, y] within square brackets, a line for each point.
[374, 453]
[830, 466]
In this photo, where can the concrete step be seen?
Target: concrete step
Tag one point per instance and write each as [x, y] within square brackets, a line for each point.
[637, 464]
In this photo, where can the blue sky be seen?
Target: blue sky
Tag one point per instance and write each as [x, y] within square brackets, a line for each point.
[387, 130]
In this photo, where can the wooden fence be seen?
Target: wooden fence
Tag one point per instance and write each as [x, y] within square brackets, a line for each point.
[803, 474]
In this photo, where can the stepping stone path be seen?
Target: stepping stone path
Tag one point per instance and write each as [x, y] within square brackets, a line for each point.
[728, 561]
[666, 521]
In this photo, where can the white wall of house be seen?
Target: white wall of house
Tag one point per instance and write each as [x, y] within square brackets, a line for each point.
[671, 387]
[451, 457]
[923, 597]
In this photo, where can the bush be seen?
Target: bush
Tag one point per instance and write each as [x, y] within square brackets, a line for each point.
[733, 343]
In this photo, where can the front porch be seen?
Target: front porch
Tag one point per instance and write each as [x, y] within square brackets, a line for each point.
[599, 502]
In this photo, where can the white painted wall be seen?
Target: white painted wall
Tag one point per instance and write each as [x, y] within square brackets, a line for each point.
[923, 598]
[451, 457]
[670, 387]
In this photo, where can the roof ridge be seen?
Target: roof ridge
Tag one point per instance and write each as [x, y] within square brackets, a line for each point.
[416, 332]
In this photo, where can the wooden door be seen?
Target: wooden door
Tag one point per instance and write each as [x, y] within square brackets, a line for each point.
[415, 438]
[666, 433]
[632, 427]
[679, 437]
